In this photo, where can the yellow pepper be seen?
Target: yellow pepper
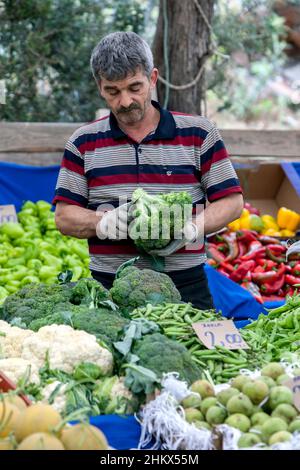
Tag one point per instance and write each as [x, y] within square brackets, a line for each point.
[271, 232]
[287, 233]
[288, 219]
[235, 225]
[269, 222]
[245, 220]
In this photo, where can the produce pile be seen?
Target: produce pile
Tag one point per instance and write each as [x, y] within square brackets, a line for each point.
[33, 250]
[250, 410]
[41, 427]
[284, 225]
[262, 408]
[270, 337]
[256, 262]
[71, 345]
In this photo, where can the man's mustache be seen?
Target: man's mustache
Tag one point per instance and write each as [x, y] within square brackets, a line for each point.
[127, 110]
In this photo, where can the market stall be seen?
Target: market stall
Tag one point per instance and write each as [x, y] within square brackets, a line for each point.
[109, 357]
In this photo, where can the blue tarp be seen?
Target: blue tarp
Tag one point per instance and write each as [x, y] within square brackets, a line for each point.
[20, 183]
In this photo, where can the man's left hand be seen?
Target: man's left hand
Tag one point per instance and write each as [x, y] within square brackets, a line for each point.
[190, 234]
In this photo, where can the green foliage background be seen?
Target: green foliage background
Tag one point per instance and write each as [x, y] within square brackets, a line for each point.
[45, 47]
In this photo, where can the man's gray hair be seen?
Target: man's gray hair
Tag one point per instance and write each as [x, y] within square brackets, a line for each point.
[119, 54]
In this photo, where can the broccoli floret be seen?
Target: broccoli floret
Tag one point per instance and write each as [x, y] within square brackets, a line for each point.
[105, 324]
[88, 292]
[137, 287]
[158, 218]
[161, 355]
[35, 301]
[63, 317]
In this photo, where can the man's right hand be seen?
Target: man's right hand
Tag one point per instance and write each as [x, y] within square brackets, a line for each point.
[114, 224]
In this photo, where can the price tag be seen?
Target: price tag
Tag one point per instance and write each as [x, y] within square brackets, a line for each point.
[8, 214]
[294, 385]
[219, 333]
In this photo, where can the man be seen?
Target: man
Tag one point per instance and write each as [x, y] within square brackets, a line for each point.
[142, 145]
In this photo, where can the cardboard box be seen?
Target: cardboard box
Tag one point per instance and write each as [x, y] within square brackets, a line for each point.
[269, 186]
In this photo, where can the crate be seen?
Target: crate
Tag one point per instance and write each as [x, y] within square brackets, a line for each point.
[269, 186]
[7, 385]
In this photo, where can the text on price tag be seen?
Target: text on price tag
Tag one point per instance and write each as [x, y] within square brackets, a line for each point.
[220, 333]
[294, 385]
[8, 214]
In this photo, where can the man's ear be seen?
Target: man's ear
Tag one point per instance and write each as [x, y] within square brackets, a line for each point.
[153, 78]
[99, 87]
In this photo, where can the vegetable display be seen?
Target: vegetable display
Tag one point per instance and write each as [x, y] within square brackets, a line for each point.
[257, 262]
[33, 250]
[260, 408]
[284, 225]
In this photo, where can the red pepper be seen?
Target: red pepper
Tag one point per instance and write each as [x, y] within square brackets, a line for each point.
[259, 269]
[268, 276]
[296, 270]
[239, 274]
[292, 280]
[255, 249]
[222, 271]
[273, 257]
[261, 254]
[214, 254]
[231, 240]
[254, 252]
[247, 236]
[288, 269]
[274, 287]
[242, 248]
[227, 266]
[267, 264]
[277, 249]
[265, 240]
[252, 288]
[248, 277]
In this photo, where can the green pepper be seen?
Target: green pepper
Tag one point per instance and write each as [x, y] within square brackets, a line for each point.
[12, 229]
[34, 264]
[3, 294]
[48, 272]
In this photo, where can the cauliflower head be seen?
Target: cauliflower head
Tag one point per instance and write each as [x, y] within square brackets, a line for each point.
[66, 348]
[16, 368]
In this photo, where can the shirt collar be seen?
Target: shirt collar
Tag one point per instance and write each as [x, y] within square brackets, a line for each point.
[165, 130]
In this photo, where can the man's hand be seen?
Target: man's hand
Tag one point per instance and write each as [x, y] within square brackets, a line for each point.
[114, 224]
[190, 234]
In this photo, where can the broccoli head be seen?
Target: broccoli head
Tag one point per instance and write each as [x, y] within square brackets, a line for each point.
[158, 219]
[137, 287]
[35, 301]
[162, 355]
[107, 325]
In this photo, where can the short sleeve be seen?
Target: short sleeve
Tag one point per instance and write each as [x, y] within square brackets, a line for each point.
[72, 184]
[218, 177]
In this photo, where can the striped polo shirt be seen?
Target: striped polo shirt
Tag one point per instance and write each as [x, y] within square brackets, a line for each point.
[101, 163]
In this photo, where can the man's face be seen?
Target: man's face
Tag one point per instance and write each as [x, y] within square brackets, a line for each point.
[130, 98]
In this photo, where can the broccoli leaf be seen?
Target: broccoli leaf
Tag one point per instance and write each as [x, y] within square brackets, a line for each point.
[140, 380]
